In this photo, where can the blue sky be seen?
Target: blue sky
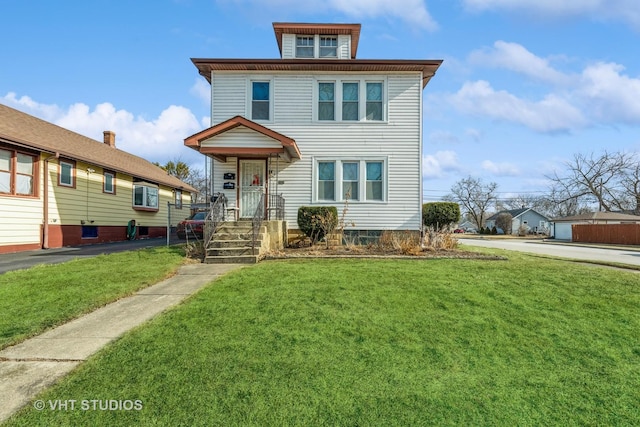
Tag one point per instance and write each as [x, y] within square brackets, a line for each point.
[525, 84]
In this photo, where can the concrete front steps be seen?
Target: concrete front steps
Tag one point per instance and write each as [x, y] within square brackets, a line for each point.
[232, 244]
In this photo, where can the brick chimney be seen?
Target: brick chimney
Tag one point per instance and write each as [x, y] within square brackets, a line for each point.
[110, 138]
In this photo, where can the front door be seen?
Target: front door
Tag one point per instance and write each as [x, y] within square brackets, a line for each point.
[252, 186]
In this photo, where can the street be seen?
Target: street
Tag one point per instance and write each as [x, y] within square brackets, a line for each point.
[568, 250]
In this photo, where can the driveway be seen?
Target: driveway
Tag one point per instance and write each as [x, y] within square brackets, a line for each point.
[566, 250]
[20, 260]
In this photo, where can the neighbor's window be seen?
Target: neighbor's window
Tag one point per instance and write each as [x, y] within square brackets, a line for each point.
[145, 196]
[260, 101]
[374, 101]
[17, 173]
[304, 47]
[178, 199]
[109, 182]
[350, 101]
[374, 181]
[326, 101]
[326, 180]
[328, 47]
[66, 175]
[350, 184]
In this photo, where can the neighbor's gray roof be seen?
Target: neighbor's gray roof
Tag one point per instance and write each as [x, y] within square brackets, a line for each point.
[599, 216]
[29, 131]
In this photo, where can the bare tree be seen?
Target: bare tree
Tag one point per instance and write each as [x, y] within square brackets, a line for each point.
[504, 221]
[475, 197]
[597, 178]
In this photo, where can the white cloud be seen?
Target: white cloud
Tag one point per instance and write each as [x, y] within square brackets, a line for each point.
[474, 134]
[550, 114]
[500, 169]
[620, 10]
[413, 12]
[515, 57]
[160, 139]
[201, 89]
[438, 164]
[609, 95]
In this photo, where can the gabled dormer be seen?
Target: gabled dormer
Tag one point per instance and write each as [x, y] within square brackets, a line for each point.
[317, 41]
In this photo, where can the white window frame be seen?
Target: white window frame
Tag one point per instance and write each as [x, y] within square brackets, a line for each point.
[321, 38]
[317, 103]
[72, 175]
[362, 179]
[362, 98]
[313, 46]
[262, 79]
[146, 189]
[105, 189]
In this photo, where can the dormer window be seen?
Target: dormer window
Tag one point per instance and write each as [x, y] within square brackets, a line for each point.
[304, 47]
[328, 47]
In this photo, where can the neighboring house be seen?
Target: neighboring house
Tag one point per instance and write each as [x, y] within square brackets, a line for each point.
[532, 221]
[59, 188]
[561, 227]
[468, 226]
[318, 127]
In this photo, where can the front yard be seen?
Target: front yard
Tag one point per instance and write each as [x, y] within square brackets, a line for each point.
[527, 341]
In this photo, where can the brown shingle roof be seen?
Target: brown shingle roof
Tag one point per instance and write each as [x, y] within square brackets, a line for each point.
[599, 216]
[21, 128]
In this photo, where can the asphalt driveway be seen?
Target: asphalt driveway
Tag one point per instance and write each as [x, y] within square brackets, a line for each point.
[21, 260]
[585, 252]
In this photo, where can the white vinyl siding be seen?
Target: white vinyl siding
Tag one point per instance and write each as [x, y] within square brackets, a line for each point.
[396, 140]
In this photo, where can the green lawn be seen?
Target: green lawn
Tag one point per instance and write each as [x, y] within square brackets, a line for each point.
[38, 298]
[528, 341]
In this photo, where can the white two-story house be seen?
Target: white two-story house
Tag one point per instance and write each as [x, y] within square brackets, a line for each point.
[318, 126]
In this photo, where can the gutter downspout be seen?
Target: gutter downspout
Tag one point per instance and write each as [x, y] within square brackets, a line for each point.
[45, 207]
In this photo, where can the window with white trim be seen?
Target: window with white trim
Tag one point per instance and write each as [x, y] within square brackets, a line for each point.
[328, 46]
[374, 101]
[326, 181]
[178, 199]
[260, 100]
[109, 185]
[350, 104]
[145, 196]
[357, 180]
[326, 101]
[305, 47]
[66, 175]
[363, 100]
[17, 173]
[350, 183]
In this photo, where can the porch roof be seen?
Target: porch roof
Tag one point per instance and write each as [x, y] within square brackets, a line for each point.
[287, 146]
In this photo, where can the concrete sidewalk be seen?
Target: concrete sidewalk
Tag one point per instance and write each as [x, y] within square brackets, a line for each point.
[31, 366]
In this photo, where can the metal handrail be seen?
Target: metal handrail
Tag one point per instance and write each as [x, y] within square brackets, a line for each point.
[256, 223]
[214, 218]
[276, 207]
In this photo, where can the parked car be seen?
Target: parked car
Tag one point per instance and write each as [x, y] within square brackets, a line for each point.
[458, 230]
[192, 226]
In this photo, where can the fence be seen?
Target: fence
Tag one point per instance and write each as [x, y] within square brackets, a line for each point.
[620, 234]
[178, 213]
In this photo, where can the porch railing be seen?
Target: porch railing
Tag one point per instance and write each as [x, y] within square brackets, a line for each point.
[276, 207]
[214, 218]
[256, 223]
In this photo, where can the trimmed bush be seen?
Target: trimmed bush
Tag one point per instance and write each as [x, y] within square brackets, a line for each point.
[317, 221]
[440, 215]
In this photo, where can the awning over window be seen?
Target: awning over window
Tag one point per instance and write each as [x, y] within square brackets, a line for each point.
[240, 137]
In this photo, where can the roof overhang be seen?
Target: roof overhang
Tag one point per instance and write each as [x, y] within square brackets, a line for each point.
[287, 149]
[427, 67]
[280, 28]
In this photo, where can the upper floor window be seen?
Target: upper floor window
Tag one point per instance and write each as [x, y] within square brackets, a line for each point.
[328, 47]
[326, 101]
[17, 173]
[178, 199]
[67, 173]
[260, 105]
[304, 47]
[109, 183]
[350, 104]
[374, 101]
[145, 197]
